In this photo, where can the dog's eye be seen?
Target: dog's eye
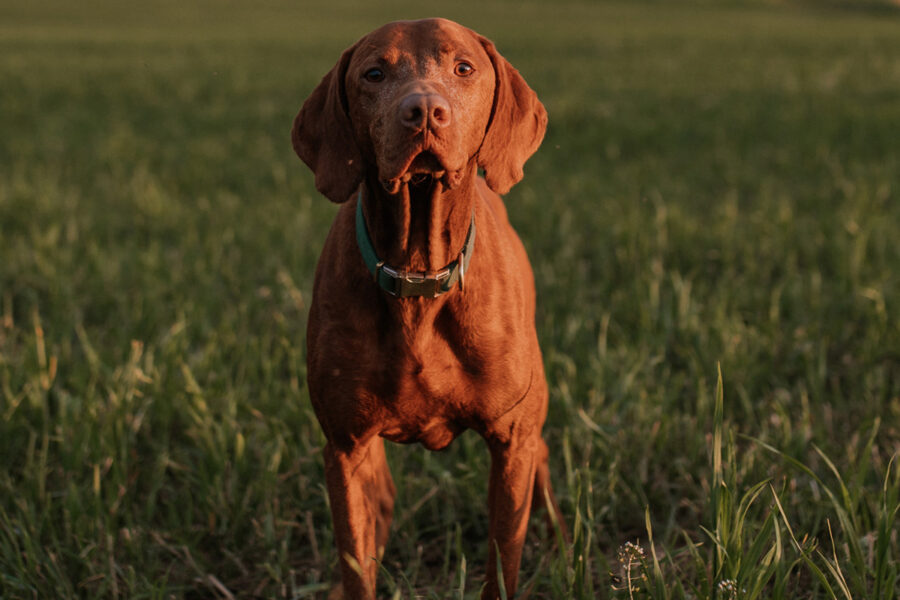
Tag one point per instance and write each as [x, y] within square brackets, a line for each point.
[374, 75]
[463, 69]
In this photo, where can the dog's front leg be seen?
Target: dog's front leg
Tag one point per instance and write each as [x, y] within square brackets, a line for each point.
[354, 485]
[510, 490]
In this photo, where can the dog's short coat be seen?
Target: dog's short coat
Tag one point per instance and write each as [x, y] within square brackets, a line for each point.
[402, 124]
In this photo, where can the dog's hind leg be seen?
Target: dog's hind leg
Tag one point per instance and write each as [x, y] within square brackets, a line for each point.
[543, 494]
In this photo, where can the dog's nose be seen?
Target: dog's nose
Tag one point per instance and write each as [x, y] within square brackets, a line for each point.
[420, 111]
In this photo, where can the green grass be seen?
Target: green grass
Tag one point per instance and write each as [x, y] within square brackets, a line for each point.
[720, 185]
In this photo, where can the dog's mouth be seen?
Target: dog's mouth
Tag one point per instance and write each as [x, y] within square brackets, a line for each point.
[425, 163]
[424, 169]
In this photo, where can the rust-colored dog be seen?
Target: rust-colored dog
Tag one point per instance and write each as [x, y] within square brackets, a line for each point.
[422, 320]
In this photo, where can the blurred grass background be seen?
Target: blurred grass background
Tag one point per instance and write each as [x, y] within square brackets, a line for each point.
[718, 185]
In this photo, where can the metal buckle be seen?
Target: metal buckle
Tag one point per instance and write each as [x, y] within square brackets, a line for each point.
[439, 279]
[410, 284]
[407, 283]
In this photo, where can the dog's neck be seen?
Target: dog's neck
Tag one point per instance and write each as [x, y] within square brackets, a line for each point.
[421, 227]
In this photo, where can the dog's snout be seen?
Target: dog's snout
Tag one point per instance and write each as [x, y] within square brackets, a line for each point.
[424, 111]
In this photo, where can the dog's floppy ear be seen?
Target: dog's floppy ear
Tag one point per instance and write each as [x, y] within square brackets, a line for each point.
[323, 136]
[517, 126]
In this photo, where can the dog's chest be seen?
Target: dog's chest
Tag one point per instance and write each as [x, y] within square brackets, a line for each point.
[438, 386]
[427, 398]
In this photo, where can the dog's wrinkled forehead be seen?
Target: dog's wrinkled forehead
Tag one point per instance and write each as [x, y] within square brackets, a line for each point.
[417, 45]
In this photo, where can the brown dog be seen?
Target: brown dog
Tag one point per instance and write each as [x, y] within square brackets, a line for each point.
[419, 329]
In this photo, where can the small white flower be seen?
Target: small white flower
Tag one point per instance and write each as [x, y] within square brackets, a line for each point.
[630, 552]
[729, 590]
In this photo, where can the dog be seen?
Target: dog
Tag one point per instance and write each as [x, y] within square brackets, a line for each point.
[422, 319]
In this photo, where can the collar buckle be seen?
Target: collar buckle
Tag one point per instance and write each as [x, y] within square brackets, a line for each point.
[411, 283]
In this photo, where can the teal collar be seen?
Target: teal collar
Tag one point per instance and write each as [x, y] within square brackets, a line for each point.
[402, 284]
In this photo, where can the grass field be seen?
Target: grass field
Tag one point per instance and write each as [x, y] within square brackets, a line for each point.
[719, 185]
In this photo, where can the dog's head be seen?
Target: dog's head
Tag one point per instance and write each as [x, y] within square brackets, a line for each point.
[416, 99]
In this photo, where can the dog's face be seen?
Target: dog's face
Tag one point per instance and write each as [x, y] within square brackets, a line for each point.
[419, 97]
